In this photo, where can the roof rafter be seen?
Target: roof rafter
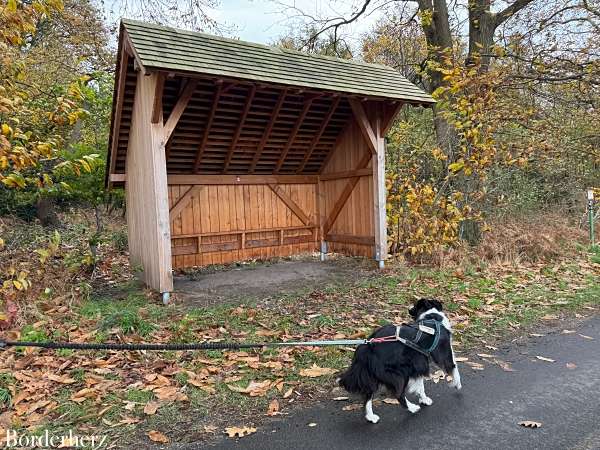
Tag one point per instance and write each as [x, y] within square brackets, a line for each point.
[209, 122]
[299, 121]
[268, 129]
[238, 131]
[317, 138]
[179, 108]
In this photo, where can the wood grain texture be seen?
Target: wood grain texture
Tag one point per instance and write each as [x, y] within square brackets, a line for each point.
[226, 223]
[147, 192]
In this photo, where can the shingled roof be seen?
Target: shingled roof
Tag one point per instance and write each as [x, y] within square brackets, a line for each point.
[159, 47]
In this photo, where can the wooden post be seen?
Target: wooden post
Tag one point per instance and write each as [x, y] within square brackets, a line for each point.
[379, 195]
[146, 188]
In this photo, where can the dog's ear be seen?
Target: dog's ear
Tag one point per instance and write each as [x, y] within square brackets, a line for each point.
[437, 304]
[413, 312]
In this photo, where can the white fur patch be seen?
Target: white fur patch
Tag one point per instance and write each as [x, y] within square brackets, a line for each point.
[412, 407]
[455, 383]
[445, 321]
[369, 415]
[417, 386]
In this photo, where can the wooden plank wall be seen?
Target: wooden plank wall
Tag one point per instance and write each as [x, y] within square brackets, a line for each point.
[146, 191]
[240, 222]
[356, 217]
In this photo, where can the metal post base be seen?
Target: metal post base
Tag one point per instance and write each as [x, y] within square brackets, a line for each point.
[323, 250]
[381, 264]
[166, 297]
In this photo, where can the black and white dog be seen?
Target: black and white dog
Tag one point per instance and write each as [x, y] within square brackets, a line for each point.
[398, 367]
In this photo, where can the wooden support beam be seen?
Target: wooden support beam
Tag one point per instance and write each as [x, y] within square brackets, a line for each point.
[157, 108]
[178, 109]
[242, 179]
[185, 200]
[238, 131]
[147, 193]
[345, 195]
[342, 134]
[388, 121]
[363, 123]
[211, 117]
[379, 196]
[290, 203]
[349, 239]
[292, 137]
[267, 132]
[346, 174]
[322, 128]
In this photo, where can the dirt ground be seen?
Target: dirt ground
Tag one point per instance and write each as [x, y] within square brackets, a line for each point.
[259, 280]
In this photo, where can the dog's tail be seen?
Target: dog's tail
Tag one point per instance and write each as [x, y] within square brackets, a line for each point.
[361, 377]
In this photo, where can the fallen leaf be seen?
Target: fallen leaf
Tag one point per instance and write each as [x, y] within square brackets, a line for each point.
[586, 337]
[239, 431]
[567, 331]
[288, 393]
[461, 359]
[543, 358]
[504, 365]
[273, 408]
[312, 424]
[550, 317]
[157, 436]
[254, 388]
[351, 407]
[391, 401]
[340, 399]
[530, 424]
[571, 366]
[316, 371]
[151, 408]
[485, 355]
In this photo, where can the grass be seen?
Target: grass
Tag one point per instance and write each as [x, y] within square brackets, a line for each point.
[482, 302]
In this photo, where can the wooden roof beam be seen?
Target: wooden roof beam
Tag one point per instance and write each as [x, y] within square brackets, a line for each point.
[157, 108]
[238, 131]
[268, 129]
[292, 137]
[211, 117]
[179, 108]
[363, 122]
[389, 120]
[119, 94]
[323, 127]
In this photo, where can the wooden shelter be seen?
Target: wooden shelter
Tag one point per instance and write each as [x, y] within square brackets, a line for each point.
[230, 150]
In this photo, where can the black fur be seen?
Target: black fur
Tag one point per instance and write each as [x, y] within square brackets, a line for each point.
[392, 364]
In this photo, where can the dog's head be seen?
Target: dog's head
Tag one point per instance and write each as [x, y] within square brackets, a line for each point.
[423, 305]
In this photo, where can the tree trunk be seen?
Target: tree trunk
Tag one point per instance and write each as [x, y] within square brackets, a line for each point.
[45, 212]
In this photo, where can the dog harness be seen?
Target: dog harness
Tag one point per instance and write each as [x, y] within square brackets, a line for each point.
[423, 336]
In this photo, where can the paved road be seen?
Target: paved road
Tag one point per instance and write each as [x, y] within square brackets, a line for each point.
[484, 415]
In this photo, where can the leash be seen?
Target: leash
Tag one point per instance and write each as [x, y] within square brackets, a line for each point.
[177, 347]
[234, 345]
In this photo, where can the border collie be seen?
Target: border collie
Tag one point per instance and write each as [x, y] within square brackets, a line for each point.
[401, 369]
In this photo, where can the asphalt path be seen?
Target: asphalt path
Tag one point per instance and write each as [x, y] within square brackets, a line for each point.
[564, 396]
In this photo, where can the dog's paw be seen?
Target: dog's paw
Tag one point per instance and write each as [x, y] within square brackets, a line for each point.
[426, 401]
[373, 418]
[456, 384]
[413, 408]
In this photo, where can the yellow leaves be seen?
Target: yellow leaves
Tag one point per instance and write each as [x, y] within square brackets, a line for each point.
[11, 6]
[6, 129]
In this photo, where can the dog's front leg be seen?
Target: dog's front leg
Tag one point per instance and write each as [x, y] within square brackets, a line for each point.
[455, 383]
[369, 415]
[416, 386]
